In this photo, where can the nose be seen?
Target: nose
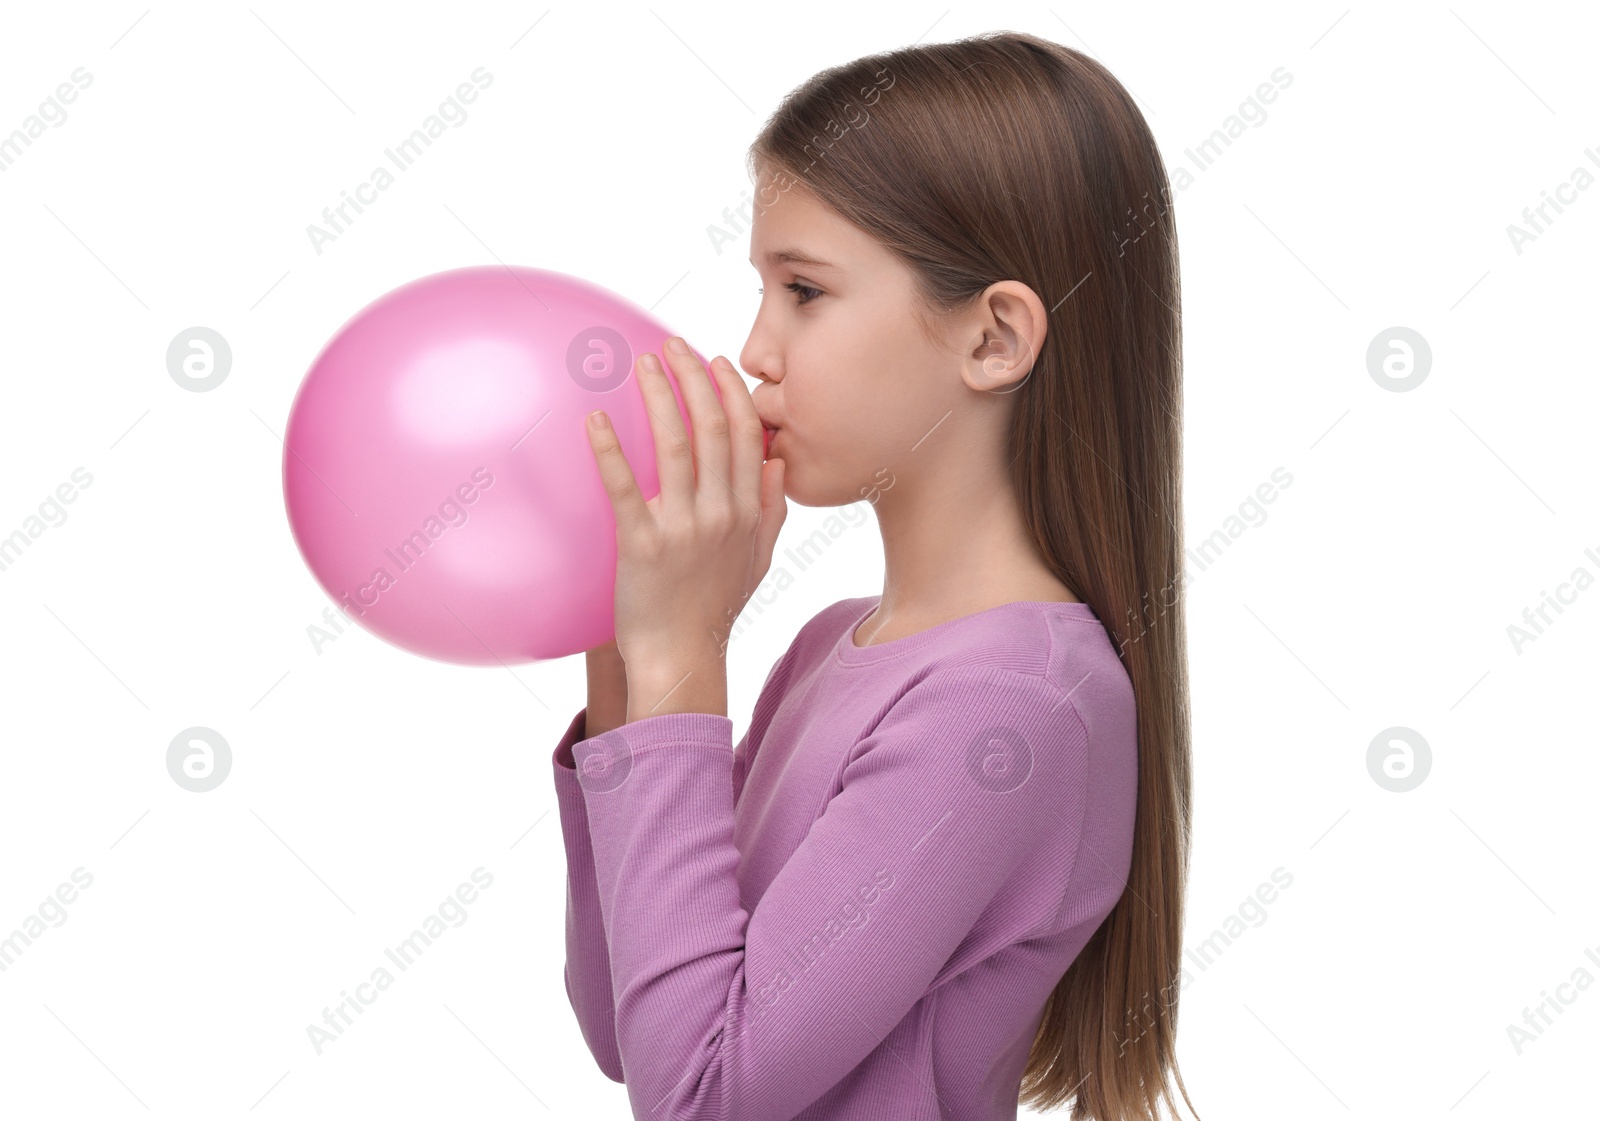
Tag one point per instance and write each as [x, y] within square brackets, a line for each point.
[760, 356]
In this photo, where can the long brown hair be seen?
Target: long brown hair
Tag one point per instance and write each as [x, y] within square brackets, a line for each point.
[1007, 156]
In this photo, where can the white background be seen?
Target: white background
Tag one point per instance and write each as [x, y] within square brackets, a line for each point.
[367, 783]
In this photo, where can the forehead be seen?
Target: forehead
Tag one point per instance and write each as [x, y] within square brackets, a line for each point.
[790, 226]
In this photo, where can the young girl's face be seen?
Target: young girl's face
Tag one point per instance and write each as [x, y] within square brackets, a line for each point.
[852, 384]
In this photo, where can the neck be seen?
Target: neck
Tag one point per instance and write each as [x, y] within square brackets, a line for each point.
[954, 542]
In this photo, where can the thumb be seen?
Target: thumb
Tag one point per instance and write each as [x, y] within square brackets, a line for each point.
[774, 509]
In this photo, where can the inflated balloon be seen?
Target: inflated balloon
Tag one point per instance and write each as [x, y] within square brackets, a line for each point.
[437, 474]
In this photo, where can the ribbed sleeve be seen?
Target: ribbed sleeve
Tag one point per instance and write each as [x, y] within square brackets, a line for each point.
[588, 970]
[944, 804]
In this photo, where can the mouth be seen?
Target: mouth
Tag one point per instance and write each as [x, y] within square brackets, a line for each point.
[767, 436]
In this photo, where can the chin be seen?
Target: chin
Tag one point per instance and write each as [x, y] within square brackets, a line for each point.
[807, 492]
[795, 487]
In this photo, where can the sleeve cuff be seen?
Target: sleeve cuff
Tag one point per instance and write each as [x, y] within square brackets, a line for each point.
[604, 762]
[562, 756]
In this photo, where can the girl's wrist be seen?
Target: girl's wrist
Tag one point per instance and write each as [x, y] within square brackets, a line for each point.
[678, 686]
[608, 690]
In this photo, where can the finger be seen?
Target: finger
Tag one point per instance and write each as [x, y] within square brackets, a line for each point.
[744, 433]
[708, 421]
[627, 504]
[674, 455]
[774, 509]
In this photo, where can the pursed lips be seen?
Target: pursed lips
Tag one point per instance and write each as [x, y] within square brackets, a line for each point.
[769, 432]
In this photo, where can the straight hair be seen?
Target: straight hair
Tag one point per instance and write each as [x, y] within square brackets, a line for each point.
[1005, 156]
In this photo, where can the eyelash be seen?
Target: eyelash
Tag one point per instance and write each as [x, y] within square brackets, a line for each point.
[795, 287]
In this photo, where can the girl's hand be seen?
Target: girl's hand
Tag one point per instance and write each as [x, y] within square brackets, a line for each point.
[689, 558]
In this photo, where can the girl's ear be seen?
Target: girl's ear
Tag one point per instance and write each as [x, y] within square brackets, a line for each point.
[1011, 326]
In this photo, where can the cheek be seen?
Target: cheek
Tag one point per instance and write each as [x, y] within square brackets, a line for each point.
[850, 378]
[856, 388]
[832, 417]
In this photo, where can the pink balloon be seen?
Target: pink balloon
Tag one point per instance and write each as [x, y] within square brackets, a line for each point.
[437, 474]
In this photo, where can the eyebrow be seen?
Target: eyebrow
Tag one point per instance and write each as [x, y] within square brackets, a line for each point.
[795, 256]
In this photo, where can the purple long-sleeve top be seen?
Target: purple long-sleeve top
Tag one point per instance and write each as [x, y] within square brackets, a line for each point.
[858, 911]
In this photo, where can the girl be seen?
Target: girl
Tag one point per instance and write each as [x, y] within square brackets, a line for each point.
[935, 877]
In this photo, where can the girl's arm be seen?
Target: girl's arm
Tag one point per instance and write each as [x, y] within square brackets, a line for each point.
[723, 1012]
[587, 973]
[608, 689]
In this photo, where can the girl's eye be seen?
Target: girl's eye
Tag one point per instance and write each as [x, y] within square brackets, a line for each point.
[797, 288]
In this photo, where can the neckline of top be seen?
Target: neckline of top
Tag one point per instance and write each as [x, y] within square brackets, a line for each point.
[846, 650]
